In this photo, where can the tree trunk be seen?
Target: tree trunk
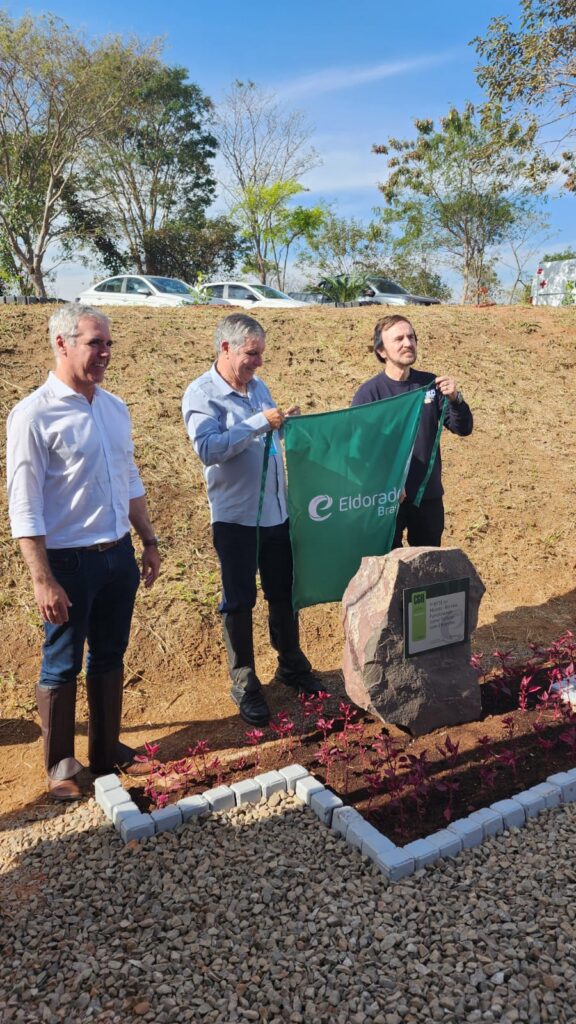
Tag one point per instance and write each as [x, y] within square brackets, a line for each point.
[37, 279]
[466, 284]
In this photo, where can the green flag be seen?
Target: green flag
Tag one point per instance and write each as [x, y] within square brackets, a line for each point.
[346, 472]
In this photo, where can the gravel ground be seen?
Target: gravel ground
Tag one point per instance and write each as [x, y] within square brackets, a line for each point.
[261, 914]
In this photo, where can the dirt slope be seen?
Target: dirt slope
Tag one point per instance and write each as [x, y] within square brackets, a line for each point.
[510, 501]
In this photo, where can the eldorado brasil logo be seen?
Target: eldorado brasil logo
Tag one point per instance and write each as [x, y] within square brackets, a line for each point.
[386, 504]
[321, 503]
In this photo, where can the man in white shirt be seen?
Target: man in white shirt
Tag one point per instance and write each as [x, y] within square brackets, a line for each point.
[74, 491]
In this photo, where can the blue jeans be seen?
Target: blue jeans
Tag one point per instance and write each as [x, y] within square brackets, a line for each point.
[102, 587]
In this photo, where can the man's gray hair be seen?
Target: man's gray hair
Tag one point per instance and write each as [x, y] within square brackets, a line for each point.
[64, 322]
[235, 329]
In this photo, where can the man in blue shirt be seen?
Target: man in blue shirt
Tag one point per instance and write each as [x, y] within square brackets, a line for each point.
[396, 346]
[228, 412]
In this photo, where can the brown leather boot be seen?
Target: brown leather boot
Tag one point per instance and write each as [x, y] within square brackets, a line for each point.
[105, 752]
[56, 707]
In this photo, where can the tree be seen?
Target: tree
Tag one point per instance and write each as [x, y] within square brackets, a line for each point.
[519, 248]
[343, 246]
[270, 226]
[297, 223]
[456, 190]
[57, 93]
[265, 152]
[208, 246]
[154, 177]
[415, 272]
[259, 142]
[530, 72]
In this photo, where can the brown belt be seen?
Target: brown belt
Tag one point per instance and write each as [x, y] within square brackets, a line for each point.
[105, 545]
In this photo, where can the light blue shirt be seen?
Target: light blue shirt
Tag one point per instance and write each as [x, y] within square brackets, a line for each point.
[70, 466]
[228, 431]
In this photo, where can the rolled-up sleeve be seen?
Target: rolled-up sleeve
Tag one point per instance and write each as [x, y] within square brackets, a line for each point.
[136, 488]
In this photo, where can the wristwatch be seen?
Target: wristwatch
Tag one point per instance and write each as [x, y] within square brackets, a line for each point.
[458, 398]
[152, 542]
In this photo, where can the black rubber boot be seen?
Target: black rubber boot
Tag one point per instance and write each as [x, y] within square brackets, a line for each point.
[57, 708]
[294, 669]
[105, 752]
[246, 689]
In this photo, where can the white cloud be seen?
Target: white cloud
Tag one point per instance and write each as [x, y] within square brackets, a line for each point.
[344, 170]
[335, 79]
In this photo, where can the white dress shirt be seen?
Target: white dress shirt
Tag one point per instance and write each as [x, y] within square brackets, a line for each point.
[70, 466]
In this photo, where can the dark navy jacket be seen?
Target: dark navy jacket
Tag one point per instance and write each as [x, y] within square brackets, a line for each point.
[458, 419]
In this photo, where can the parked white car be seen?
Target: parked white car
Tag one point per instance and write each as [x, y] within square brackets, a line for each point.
[249, 296]
[141, 290]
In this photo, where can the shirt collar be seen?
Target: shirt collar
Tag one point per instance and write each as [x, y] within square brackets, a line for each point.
[62, 390]
[224, 388]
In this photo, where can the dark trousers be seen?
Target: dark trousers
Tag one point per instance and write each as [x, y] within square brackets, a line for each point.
[102, 587]
[425, 525]
[236, 549]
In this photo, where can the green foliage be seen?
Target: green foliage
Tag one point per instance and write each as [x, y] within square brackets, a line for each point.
[190, 251]
[529, 71]
[341, 246]
[457, 190]
[154, 172]
[10, 278]
[568, 254]
[90, 223]
[342, 288]
[270, 226]
[58, 95]
[416, 276]
[569, 297]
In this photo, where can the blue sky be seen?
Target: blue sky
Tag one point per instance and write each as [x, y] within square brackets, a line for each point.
[359, 73]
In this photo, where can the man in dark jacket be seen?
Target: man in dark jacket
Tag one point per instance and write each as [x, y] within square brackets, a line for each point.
[395, 345]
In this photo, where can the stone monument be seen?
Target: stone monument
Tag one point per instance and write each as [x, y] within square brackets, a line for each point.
[424, 681]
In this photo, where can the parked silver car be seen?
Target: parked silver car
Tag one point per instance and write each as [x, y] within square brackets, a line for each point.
[389, 293]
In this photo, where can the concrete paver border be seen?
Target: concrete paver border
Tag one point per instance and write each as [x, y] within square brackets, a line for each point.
[395, 862]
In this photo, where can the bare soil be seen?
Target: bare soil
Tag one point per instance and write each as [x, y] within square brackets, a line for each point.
[407, 787]
[509, 503]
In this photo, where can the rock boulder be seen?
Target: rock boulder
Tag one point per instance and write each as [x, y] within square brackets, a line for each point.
[433, 689]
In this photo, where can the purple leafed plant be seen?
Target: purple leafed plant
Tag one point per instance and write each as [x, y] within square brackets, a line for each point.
[284, 727]
[448, 787]
[254, 738]
[449, 750]
[547, 744]
[509, 758]
[150, 755]
[526, 689]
